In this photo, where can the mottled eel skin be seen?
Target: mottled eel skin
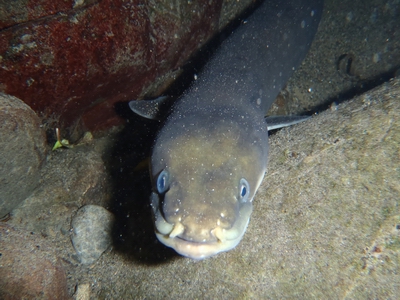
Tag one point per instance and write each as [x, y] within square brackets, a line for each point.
[210, 157]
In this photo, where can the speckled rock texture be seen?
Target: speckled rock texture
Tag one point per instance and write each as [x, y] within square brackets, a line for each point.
[29, 267]
[73, 60]
[91, 232]
[71, 179]
[326, 221]
[23, 150]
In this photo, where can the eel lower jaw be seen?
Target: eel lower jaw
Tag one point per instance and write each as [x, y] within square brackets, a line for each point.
[196, 250]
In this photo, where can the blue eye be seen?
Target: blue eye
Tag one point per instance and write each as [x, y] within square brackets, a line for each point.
[163, 182]
[244, 190]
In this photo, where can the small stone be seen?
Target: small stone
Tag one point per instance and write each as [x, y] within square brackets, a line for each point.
[92, 226]
[23, 150]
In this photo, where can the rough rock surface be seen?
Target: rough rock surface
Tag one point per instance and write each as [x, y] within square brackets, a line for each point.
[327, 214]
[326, 222]
[71, 179]
[29, 267]
[91, 232]
[127, 50]
[23, 149]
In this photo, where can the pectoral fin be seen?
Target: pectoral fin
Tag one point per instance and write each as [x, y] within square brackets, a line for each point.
[151, 109]
[277, 122]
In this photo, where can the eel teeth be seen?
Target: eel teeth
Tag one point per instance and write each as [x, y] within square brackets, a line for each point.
[178, 229]
[219, 233]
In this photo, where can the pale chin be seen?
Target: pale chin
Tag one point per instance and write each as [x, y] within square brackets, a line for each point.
[227, 239]
[199, 251]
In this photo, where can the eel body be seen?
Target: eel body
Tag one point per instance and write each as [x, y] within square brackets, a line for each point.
[210, 156]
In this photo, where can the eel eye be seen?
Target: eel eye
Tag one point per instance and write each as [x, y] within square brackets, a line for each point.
[244, 190]
[163, 182]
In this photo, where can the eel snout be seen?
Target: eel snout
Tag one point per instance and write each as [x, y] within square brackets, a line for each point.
[193, 239]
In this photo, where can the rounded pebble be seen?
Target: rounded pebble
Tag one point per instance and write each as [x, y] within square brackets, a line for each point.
[91, 227]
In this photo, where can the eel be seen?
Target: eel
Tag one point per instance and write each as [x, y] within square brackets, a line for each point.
[211, 153]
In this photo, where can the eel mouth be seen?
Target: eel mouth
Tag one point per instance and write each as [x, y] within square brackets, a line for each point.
[173, 235]
[198, 250]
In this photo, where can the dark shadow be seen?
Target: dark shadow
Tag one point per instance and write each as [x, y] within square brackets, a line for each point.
[359, 87]
[127, 164]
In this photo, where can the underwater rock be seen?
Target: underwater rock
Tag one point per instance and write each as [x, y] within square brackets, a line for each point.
[30, 268]
[92, 227]
[70, 179]
[23, 149]
[127, 49]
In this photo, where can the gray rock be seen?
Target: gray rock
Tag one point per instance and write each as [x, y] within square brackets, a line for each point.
[326, 215]
[71, 178]
[23, 149]
[92, 227]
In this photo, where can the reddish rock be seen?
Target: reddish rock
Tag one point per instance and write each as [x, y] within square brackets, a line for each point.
[71, 61]
[29, 268]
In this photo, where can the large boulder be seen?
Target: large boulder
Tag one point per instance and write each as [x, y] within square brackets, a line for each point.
[23, 149]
